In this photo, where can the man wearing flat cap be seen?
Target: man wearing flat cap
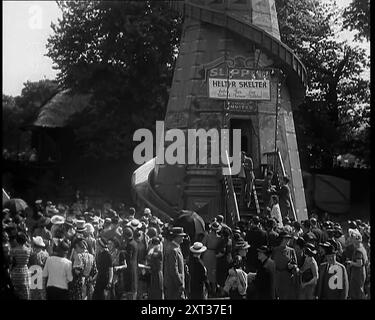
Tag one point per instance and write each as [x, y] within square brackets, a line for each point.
[174, 272]
[286, 266]
[262, 284]
[256, 237]
[333, 281]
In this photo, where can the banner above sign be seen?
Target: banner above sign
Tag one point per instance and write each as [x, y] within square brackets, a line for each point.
[241, 84]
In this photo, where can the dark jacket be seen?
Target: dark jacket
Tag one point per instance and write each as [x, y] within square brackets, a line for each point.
[284, 201]
[256, 238]
[264, 281]
[174, 272]
[198, 276]
[130, 274]
[341, 286]
[273, 239]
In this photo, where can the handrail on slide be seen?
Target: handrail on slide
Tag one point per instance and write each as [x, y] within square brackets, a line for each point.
[230, 193]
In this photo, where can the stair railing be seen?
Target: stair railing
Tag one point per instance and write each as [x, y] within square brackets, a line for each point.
[231, 199]
[280, 164]
[275, 163]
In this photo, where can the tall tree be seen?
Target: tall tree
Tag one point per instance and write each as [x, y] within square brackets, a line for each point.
[357, 17]
[123, 52]
[22, 110]
[336, 109]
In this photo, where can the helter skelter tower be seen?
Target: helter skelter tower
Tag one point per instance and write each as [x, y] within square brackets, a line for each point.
[232, 72]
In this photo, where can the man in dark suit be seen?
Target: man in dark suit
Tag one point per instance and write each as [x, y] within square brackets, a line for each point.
[286, 266]
[333, 281]
[248, 175]
[284, 198]
[256, 237]
[263, 283]
[272, 235]
[174, 272]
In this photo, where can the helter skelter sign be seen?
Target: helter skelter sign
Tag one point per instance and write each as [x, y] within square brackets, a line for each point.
[240, 84]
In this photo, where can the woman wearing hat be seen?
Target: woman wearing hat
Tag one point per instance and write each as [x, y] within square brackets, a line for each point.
[155, 261]
[212, 242]
[38, 257]
[83, 267]
[42, 231]
[119, 263]
[19, 272]
[357, 268]
[57, 272]
[105, 271]
[198, 273]
[308, 273]
[142, 241]
[131, 272]
[236, 282]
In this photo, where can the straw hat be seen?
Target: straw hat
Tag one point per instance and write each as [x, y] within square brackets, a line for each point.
[38, 241]
[198, 247]
[56, 219]
[80, 224]
[134, 224]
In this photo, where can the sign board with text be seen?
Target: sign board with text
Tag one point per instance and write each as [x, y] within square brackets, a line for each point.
[240, 84]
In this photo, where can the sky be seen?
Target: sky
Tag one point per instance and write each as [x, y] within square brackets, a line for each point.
[26, 27]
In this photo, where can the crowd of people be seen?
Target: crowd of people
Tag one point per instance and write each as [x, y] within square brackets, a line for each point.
[81, 253]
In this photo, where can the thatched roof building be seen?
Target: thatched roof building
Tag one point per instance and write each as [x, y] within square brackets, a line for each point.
[56, 112]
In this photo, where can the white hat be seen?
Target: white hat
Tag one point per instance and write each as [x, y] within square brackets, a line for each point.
[89, 228]
[38, 201]
[147, 211]
[355, 234]
[39, 241]
[135, 223]
[57, 219]
[80, 224]
[198, 247]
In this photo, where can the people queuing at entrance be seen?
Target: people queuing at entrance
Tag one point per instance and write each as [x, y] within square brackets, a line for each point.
[131, 254]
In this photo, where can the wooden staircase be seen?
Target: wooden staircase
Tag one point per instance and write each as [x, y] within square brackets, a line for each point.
[256, 204]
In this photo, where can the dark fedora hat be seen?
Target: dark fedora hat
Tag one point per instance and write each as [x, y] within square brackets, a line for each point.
[310, 249]
[178, 231]
[284, 234]
[300, 241]
[69, 222]
[265, 249]
[328, 248]
[242, 244]
[338, 232]
[63, 246]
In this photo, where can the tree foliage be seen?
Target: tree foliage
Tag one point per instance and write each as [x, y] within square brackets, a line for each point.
[22, 110]
[336, 109]
[123, 52]
[357, 17]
